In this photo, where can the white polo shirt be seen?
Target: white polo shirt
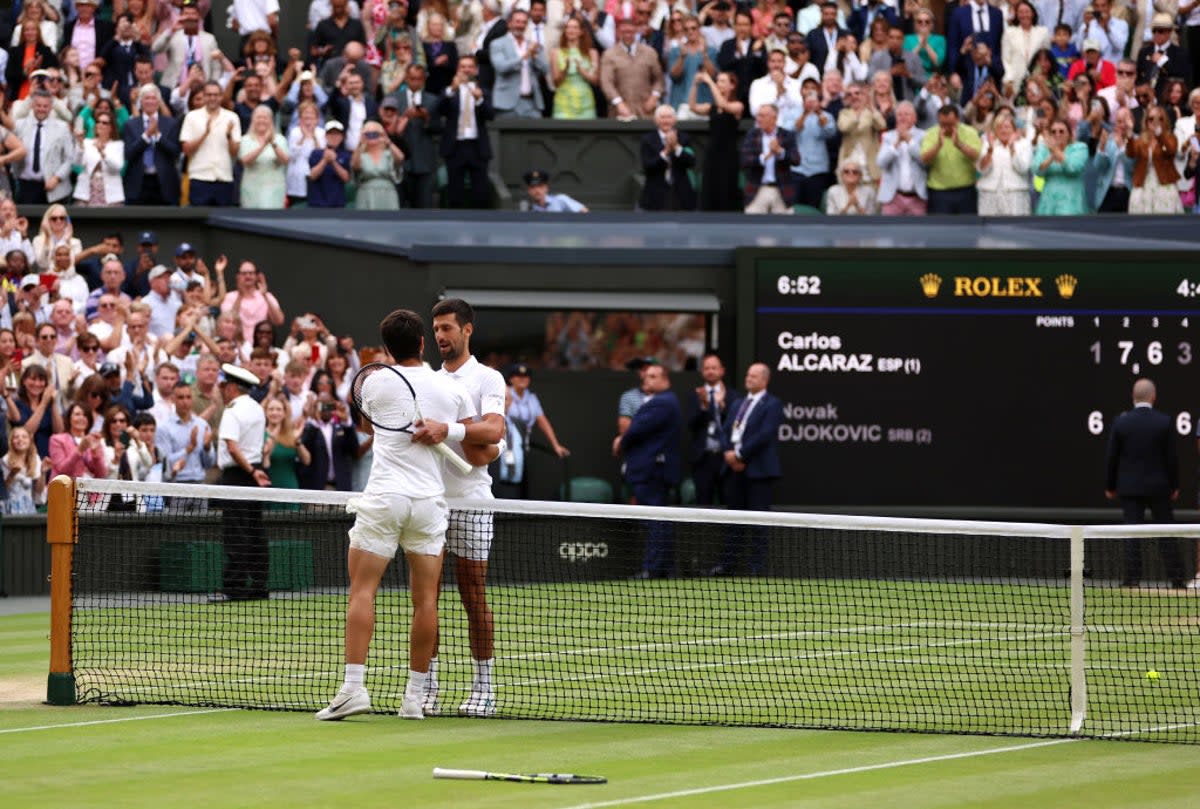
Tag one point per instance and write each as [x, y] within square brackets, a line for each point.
[486, 388]
[244, 422]
[211, 163]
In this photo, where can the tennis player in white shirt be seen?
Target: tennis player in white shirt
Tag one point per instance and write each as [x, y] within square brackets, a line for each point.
[469, 536]
[402, 505]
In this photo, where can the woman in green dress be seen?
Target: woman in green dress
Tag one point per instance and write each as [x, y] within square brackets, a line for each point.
[263, 154]
[376, 165]
[1062, 164]
[575, 68]
[281, 450]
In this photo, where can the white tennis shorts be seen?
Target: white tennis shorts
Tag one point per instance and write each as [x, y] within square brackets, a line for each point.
[384, 522]
[469, 534]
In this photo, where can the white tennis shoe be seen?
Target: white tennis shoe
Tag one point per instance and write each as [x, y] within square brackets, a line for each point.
[346, 703]
[480, 703]
[410, 707]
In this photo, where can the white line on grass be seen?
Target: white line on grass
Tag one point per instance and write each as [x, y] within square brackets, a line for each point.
[113, 721]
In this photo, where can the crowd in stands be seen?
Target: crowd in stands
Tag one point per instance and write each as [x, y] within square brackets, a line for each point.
[893, 106]
[111, 368]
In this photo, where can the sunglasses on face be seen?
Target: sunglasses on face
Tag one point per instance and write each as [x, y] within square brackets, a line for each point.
[89, 349]
[119, 420]
[58, 219]
[1126, 72]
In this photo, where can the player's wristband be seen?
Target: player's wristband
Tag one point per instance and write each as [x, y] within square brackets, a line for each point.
[456, 432]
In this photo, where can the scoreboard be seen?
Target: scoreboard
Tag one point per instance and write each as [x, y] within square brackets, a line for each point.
[979, 379]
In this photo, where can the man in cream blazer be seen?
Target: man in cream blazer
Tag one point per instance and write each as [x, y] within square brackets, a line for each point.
[187, 44]
[45, 176]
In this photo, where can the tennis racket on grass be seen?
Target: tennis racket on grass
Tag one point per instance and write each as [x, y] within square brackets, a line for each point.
[386, 398]
[536, 778]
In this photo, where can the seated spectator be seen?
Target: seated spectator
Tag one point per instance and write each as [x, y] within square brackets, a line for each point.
[1042, 67]
[1114, 168]
[537, 186]
[815, 130]
[984, 107]
[902, 190]
[1172, 98]
[575, 71]
[720, 190]
[378, 167]
[33, 407]
[329, 170]
[14, 229]
[101, 160]
[85, 124]
[398, 27]
[112, 277]
[1004, 164]
[1061, 163]
[949, 153]
[666, 159]
[69, 285]
[768, 154]
[441, 54]
[870, 22]
[691, 57]
[1102, 72]
[850, 197]
[21, 467]
[87, 367]
[56, 229]
[1154, 172]
[263, 154]
[209, 137]
[929, 47]
[76, 451]
[1077, 100]
[861, 126]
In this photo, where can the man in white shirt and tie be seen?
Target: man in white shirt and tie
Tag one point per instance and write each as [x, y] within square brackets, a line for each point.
[706, 409]
[465, 148]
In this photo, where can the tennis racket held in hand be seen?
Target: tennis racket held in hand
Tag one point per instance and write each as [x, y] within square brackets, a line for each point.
[534, 778]
[385, 397]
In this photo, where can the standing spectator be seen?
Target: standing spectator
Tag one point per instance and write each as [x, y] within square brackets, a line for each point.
[823, 40]
[333, 33]
[519, 62]
[22, 470]
[377, 168]
[1154, 173]
[797, 64]
[151, 153]
[248, 16]
[1062, 164]
[1019, 44]
[1114, 168]
[743, 56]
[929, 47]
[706, 408]
[253, 94]
[575, 70]
[667, 158]
[864, 17]
[119, 56]
[750, 439]
[186, 44]
[815, 130]
[46, 170]
[650, 449]
[903, 67]
[87, 34]
[56, 229]
[1102, 72]
[688, 59]
[978, 69]
[1161, 59]
[768, 154]
[1121, 94]
[102, 159]
[332, 444]
[950, 152]
[1142, 471]
[264, 156]
[33, 407]
[25, 59]
[902, 190]
[210, 137]
[1189, 13]
[251, 301]
[329, 170]
[776, 88]
[352, 106]
[631, 76]
[1004, 165]
[283, 455]
[304, 139]
[60, 370]
[418, 108]
[76, 452]
[1112, 33]
[720, 191]
[465, 146]
[861, 126]
[185, 440]
[163, 303]
[441, 54]
[851, 196]
[969, 26]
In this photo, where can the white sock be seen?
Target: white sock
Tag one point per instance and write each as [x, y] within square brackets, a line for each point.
[483, 674]
[355, 674]
[418, 681]
[433, 681]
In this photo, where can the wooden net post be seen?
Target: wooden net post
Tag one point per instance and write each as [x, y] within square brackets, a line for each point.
[60, 533]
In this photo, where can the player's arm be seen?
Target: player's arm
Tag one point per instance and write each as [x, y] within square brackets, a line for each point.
[483, 442]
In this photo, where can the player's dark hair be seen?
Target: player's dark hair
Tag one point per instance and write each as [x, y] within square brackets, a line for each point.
[462, 311]
[401, 332]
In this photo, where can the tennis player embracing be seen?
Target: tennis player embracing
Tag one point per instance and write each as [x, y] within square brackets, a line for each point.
[402, 505]
[469, 535]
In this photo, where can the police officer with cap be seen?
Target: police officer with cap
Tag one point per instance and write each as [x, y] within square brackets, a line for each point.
[239, 455]
[537, 186]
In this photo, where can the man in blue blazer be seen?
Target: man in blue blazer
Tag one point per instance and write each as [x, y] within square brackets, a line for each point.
[751, 437]
[151, 153]
[1142, 472]
[862, 17]
[650, 447]
[977, 21]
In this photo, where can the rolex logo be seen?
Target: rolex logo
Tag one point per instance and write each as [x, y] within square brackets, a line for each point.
[930, 284]
[1066, 285]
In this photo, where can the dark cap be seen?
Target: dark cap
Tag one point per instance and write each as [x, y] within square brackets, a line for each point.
[184, 247]
[389, 103]
[536, 177]
[518, 369]
[148, 237]
[110, 369]
[638, 363]
[239, 376]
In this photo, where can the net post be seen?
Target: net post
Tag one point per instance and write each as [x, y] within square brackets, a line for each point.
[1078, 633]
[60, 534]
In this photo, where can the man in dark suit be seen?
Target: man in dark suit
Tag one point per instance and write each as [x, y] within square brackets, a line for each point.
[706, 408]
[968, 26]
[750, 436]
[743, 56]
[977, 69]
[349, 92]
[151, 153]
[862, 17]
[822, 40]
[464, 146]
[650, 448]
[667, 159]
[768, 154]
[119, 56]
[333, 446]
[486, 74]
[1160, 59]
[418, 115]
[1143, 473]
